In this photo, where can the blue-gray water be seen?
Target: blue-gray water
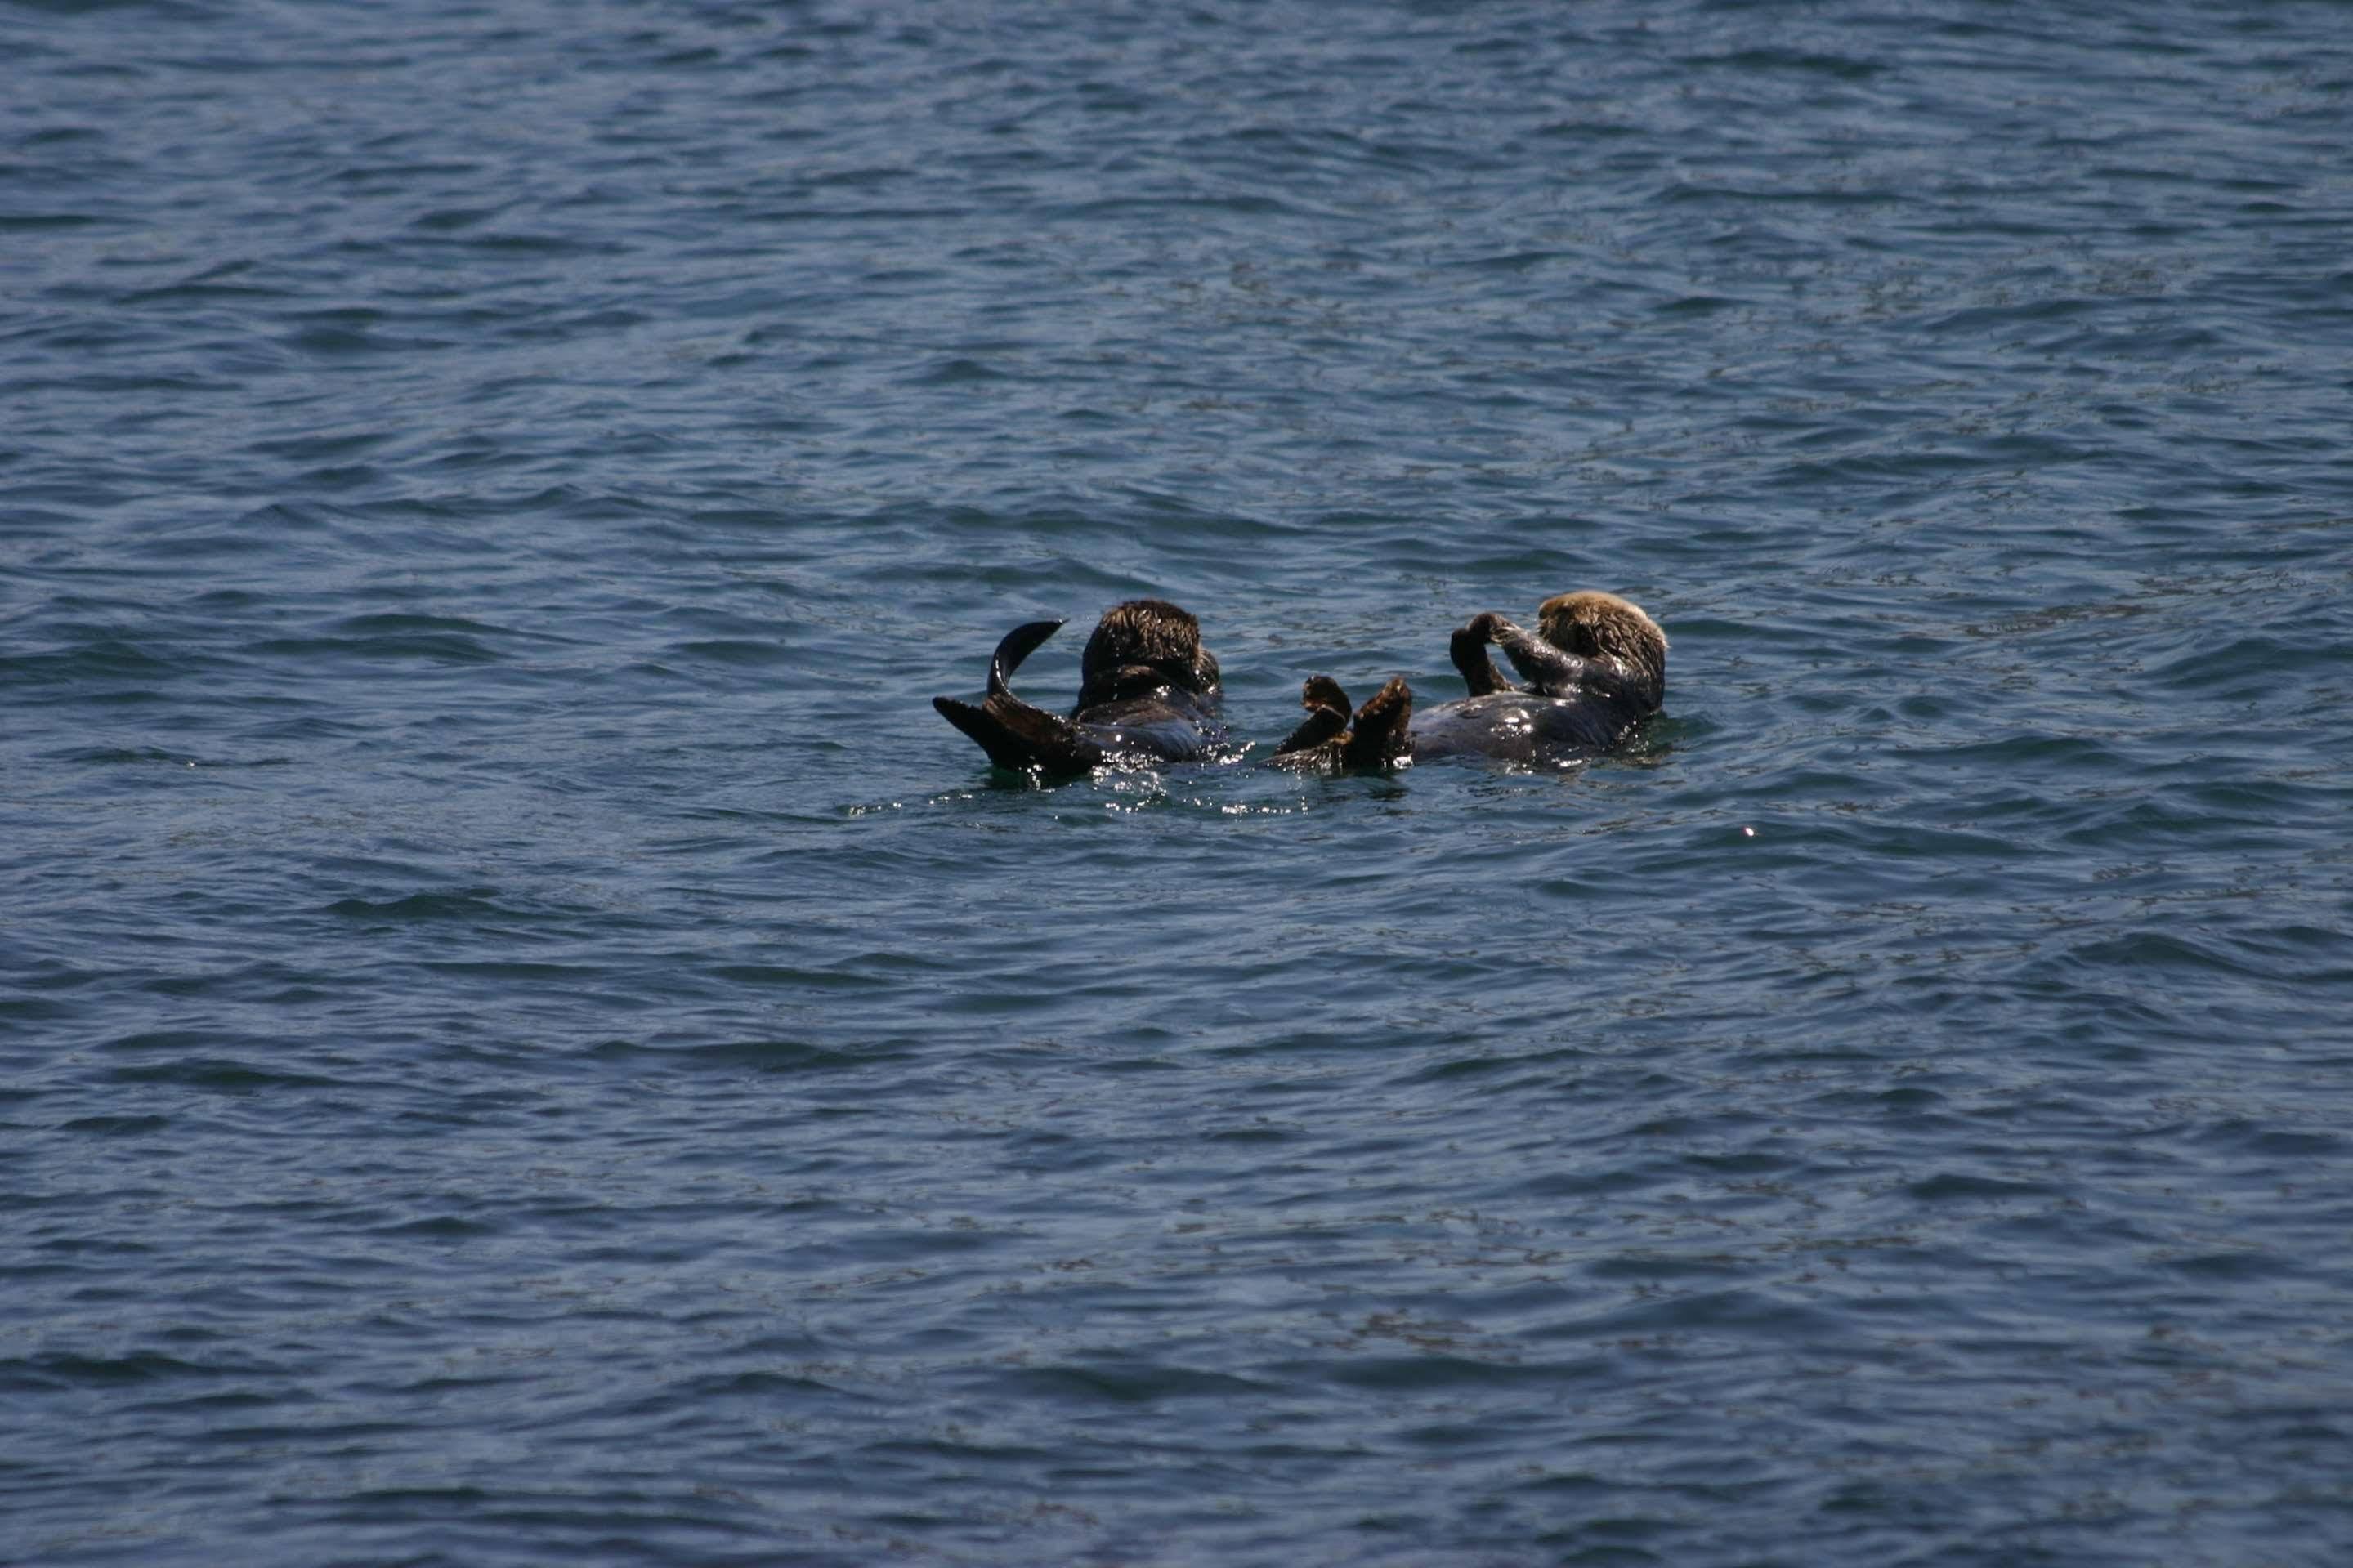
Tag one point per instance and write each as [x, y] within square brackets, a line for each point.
[524, 1039]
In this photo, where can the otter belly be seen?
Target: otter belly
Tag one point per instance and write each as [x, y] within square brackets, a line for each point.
[1172, 727]
[1518, 727]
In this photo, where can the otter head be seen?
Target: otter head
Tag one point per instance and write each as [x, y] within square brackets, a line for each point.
[1141, 645]
[1602, 626]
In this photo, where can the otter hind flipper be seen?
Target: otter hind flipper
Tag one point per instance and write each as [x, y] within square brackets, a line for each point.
[1327, 715]
[1020, 737]
[1379, 737]
[1018, 644]
[1323, 692]
[1322, 725]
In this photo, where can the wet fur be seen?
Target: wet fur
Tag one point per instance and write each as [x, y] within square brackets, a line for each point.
[1140, 647]
[1328, 740]
[1594, 668]
[1148, 690]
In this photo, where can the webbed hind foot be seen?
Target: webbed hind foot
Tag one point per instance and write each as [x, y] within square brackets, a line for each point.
[1378, 737]
[1327, 716]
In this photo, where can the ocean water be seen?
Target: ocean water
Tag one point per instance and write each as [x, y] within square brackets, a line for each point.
[524, 1038]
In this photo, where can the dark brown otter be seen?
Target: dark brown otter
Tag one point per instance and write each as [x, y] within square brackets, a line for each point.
[1148, 690]
[1596, 667]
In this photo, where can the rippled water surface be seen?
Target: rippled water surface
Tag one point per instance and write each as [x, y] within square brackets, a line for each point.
[524, 1038]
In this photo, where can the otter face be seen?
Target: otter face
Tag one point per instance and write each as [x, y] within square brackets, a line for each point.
[1598, 625]
[1152, 632]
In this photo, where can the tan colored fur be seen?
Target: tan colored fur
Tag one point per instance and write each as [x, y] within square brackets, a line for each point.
[1592, 625]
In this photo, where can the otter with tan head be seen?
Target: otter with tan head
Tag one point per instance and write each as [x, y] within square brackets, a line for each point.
[1594, 668]
[1148, 691]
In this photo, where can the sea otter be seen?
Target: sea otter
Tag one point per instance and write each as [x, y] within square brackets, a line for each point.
[1596, 668]
[1148, 691]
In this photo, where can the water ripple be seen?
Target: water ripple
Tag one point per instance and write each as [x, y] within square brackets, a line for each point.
[524, 1035]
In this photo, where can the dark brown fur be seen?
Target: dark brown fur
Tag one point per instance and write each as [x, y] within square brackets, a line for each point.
[1140, 646]
[1148, 691]
[1329, 740]
[1594, 668]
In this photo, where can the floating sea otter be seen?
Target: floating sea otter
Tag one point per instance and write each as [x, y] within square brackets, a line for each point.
[1148, 691]
[1596, 668]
